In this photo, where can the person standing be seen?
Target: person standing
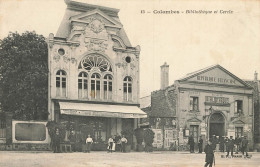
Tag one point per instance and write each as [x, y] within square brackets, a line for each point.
[244, 148]
[191, 143]
[200, 144]
[231, 143]
[237, 143]
[123, 142]
[222, 143]
[214, 142]
[226, 144]
[110, 144]
[56, 141]
[209, 154]
[89, 142]
[118, 143]
[72, 139]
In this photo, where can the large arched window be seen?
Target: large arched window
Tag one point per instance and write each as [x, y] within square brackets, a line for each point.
[61, 83]
[83, 85]
[108, 87]
[95, 61]
[95, 86]
[127, 89]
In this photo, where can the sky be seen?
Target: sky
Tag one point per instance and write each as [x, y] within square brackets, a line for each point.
[187, 42]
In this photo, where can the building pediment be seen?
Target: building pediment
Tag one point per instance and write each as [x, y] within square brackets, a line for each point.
[89, 17]
[194, 120]
[215, 75]
[238, 121]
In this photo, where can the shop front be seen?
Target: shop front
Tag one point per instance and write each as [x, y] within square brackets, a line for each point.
[101, 121]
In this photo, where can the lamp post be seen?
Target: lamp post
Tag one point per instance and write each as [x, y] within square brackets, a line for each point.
[205, 118]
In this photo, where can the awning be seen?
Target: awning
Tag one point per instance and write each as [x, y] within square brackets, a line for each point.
[101, 110]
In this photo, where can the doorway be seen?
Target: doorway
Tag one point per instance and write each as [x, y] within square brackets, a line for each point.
[217, 125]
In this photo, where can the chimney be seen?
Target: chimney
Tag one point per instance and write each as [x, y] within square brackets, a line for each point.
[255, 76]
[164, 75]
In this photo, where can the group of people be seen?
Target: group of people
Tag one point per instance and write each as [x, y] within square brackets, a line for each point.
[117, 142]
[191, 142]
[241, 144]
[224, 143]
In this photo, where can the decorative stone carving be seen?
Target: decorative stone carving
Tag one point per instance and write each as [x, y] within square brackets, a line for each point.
[73, 60]
[56, 58]
[66, 59]
[77, 28]
[96, 36]
[96, 25]
[97, 45]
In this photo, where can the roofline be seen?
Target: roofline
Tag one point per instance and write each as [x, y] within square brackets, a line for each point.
[212, 67]
[144, 96]
[85, 6]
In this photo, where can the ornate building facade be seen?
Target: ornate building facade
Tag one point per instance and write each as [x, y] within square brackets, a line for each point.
[93, 73]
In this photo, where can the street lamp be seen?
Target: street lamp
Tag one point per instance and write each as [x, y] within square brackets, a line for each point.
[205, 119]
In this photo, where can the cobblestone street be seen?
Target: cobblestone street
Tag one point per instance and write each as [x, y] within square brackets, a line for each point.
[103, 159]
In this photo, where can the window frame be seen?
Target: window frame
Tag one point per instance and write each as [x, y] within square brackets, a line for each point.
[237, 132]
[238, 106]
[95, 79]
[192, 104]
[60, 78]
[107, 93]
[128, 81]
[83, 79]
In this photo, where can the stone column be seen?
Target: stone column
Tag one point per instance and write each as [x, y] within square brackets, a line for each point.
[8, 117]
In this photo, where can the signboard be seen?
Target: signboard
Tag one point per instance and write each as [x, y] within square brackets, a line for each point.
[187, 132]
[158, 138]
[181, 137]
[203, 131]
[102, 114]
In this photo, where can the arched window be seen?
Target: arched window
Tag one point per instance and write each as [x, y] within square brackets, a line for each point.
[127, 89]
[83, 85]
[108, 87]
[61, 83]
[95, 61]
[95, 86]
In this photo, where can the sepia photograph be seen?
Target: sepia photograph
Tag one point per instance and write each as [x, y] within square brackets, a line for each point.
[128, 83]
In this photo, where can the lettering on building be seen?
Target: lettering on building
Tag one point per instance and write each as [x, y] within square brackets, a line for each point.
[216, 80]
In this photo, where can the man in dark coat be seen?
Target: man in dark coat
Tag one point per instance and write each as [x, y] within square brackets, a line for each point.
[237, 143]
[231, 143]
[200, 144]
[72, 139]
[209, 154]
[191, 143]
[56, 141]
[214, 142]
[222, 144]
[226, 143]
[244, 146]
